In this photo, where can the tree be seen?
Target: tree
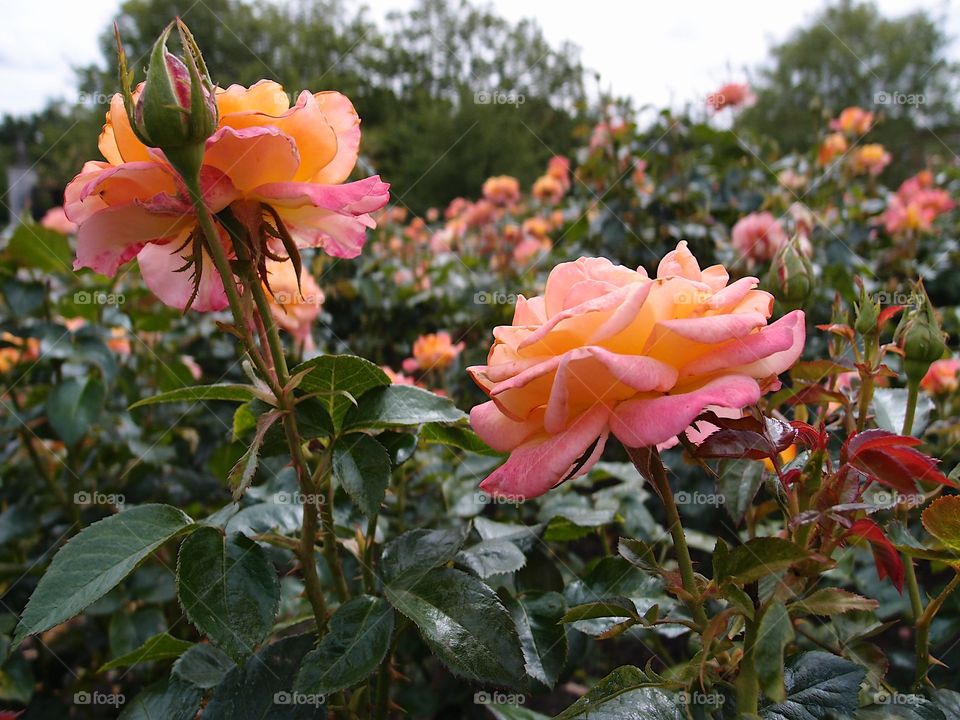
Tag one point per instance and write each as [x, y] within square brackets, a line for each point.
[850, 54]
[448, 93]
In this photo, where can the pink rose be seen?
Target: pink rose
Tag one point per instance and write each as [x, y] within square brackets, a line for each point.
[607, 349]
[758, 236]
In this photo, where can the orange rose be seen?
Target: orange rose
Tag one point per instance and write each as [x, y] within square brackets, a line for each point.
[268, 162]
[607, 349]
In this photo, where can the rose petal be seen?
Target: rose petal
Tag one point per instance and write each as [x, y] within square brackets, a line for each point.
[252, 156]
[345, 122]
[540, 463]
[159, 265]
[334, 217]
[110, 237]
[499, 431]
[650, 421]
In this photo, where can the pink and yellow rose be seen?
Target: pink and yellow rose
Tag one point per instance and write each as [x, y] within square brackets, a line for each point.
[268, 161]
[607, 349]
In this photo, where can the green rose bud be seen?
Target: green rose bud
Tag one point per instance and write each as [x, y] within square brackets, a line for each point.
[919, 336]
[791, 275]
[868, 312]
[176, 110]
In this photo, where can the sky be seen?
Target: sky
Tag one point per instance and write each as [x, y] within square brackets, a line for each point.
[661, 53]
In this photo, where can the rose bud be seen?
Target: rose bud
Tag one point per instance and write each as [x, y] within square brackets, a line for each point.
[868, 312]
[919, 336]
[791, 274]
[175, 110]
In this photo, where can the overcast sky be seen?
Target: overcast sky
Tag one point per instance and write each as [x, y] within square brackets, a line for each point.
[664, 53]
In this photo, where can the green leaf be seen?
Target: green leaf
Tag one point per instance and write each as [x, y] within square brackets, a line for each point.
[942, 520]
[758, 558]
[614, 607]
[831, 601]
[362, 467]
[890, 409]
[819, 686]
[167, 700]
[339, 381]
[202, 665]
[160, 647]
[505, 711]
[241, 475]
[612, 580]
[95, 561]
[738, 484]
[34, 246]
[543, 639]
[465, 625]
[200, 393]
[228, 588]
[492, 557]
[262, 687]
[356, 642]
[774, 633]
[73, 406]
[399, 405]
[457, 436]
[627, 692]
[409, 557]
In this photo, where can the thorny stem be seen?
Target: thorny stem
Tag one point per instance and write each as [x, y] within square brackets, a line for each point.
[322, 482]
[647, 461]
[226, 274]
[277, 380]
[923, 630]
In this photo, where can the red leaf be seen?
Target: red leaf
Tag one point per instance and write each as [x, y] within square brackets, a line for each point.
[887, 313]
[885, 555]
[892, 460]
[746, 437]
[811, 437]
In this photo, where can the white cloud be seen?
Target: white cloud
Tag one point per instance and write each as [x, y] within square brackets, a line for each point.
[659, 53]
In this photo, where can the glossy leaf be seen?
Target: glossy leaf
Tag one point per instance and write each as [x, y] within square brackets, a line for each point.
[362, 467]
[357, 640]
[465, 625]
[228, 589]
[93, 562]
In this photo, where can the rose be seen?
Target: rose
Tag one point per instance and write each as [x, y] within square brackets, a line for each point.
[432, 351]
[942, 377]
[270, 164]
[607, 350]
[294, 303]
[758, 236]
